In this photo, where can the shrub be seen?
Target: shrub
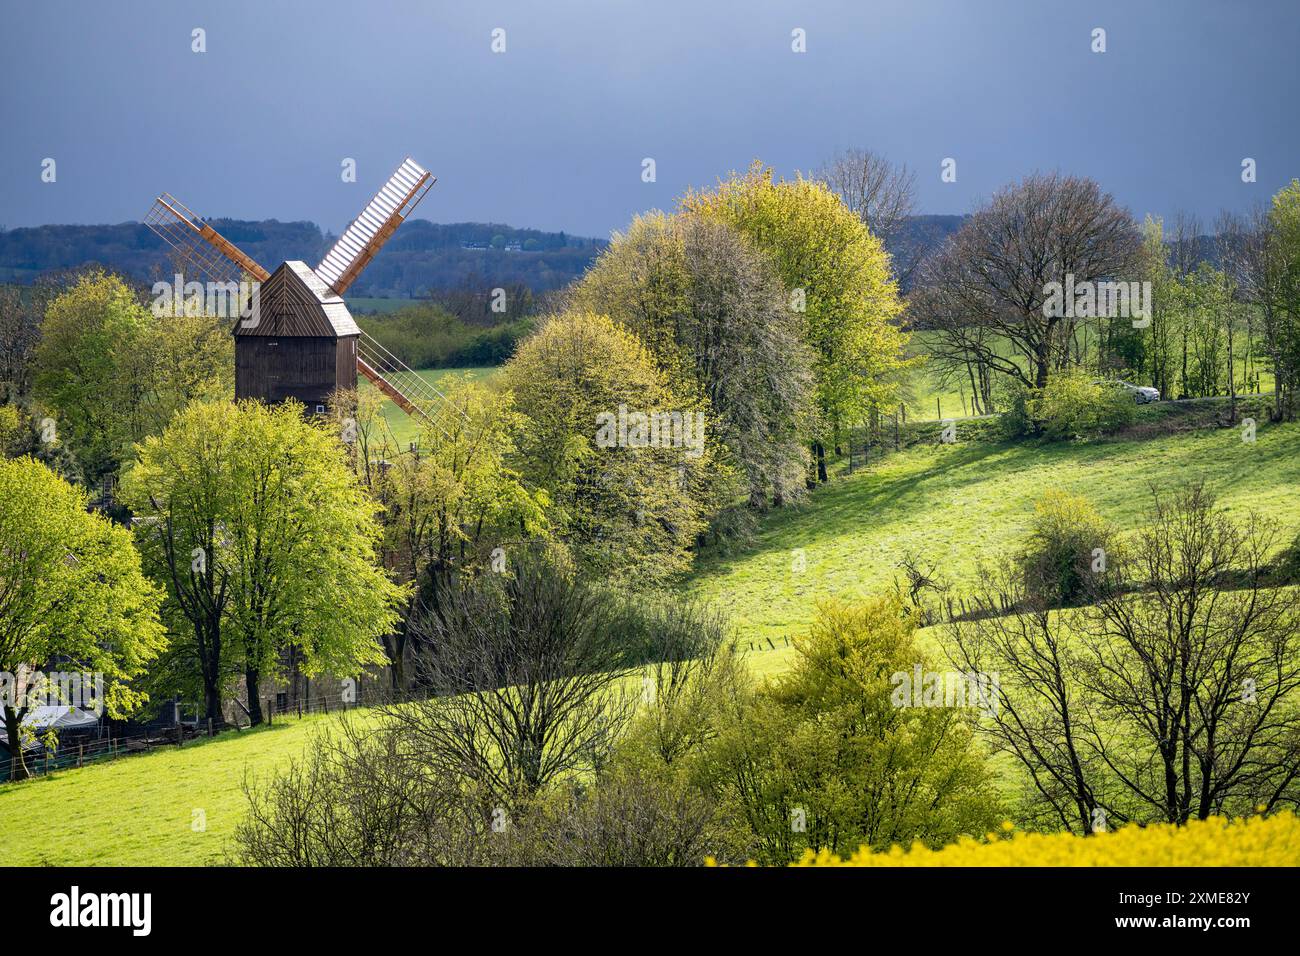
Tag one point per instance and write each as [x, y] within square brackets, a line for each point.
[1250, 841]
[1012, 396]
[359, 797]
[819, 759]
[1072, 406]
[1061, 557]
[630, 817]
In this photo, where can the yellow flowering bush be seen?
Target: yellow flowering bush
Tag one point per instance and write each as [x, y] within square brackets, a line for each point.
[1249, 841]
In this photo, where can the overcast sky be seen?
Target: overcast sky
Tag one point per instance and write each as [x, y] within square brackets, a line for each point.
[552, 133]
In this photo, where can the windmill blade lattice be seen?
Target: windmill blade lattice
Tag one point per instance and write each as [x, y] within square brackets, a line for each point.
[379, 220]
[200, 251]
[414, 394]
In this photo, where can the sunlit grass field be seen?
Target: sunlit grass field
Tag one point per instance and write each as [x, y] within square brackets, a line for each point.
[146, 809]
[401, 426]
[956, 504]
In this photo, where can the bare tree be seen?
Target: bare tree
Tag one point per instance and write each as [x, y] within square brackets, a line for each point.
[922, 579]
[1184, 244]
[957, 351]
[1173, 695]
[883, 195]
[1196, 677]
[526, 672]
[1038, 719]
[996, 271]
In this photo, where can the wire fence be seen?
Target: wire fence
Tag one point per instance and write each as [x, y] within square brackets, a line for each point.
[79, 749]
[83, 750]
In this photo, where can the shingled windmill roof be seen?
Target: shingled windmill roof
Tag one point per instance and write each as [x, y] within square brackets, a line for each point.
[295, 301]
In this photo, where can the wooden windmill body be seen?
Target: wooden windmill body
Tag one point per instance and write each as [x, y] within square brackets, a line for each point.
[299, 341]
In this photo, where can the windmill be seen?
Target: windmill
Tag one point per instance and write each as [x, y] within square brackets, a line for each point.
[303, 343]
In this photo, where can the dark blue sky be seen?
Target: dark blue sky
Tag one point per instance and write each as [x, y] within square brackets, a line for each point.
[551, 134]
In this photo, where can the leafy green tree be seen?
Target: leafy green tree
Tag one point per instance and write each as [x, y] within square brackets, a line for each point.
[711, 308]
[837, 277]
[71, 589]
[451, 502]
[112, 372]
[629, 508]
[1283, 291]
[826, 759]
[265, 540]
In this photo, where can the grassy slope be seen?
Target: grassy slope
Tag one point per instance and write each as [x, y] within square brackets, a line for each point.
[139, 810]
[959, 503]
[954, 503]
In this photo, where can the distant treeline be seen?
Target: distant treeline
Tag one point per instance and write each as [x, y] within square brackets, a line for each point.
[423, 257]
[425, 335]
[459, 328]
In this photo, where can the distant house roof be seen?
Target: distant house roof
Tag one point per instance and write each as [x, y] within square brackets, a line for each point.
[295, 301]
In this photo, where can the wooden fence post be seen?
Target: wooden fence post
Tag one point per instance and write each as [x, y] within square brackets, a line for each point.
[81, 754]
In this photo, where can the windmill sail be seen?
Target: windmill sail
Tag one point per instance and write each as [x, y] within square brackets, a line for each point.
[201, 252]
[379, 220]
[408, 390]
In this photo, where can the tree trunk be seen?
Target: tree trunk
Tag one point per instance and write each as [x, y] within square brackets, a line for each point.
[212, 702]
[1042, 364]
[820, 450]
[13, 720]
[395, 648]
[251, 681]
[208, 643]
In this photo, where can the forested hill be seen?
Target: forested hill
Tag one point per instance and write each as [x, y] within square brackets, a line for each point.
[420, 257]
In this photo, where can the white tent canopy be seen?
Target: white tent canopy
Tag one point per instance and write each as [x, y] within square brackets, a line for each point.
[38, 720]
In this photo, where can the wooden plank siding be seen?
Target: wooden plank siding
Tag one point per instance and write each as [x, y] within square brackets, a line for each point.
[303, 345]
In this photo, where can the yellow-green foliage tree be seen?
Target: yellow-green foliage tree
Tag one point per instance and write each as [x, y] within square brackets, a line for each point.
[259, 505]
[712, 309]
[629, 505]
[826, 758]
[837, 275]
[452, 503]
[112, 372]
[1282, 314]
[71, 589]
